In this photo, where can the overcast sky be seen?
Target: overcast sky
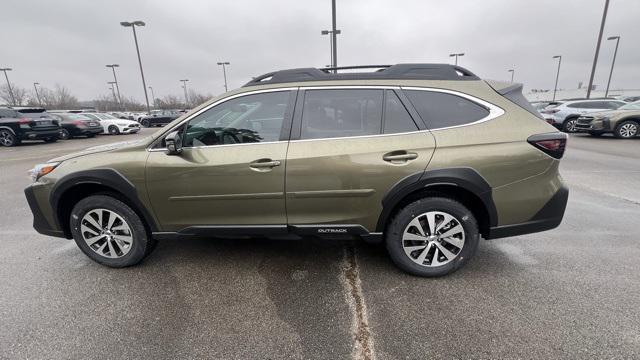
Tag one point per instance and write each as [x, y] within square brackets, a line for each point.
[69, 42]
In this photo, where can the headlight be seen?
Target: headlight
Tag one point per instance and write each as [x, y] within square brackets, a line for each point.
[122, 124]
[41, 170]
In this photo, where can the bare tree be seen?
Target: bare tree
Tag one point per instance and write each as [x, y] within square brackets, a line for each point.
[170, 102]
[62, 98]
[19, 94]
[196, 98]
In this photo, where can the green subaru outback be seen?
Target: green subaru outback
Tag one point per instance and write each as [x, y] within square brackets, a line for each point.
[425, 157]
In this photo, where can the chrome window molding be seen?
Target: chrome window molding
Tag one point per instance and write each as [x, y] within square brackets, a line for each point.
[494, 110]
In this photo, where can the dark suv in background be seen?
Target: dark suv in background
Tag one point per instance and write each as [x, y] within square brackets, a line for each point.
[18, 124]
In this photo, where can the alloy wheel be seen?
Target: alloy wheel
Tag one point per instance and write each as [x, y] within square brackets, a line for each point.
[571, 125]
[628, 130]
[434, 238]
[6, 138]
[106, 233]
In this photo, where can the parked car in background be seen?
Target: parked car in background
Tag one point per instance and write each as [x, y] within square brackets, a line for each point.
[114, 126]
[623, 123]
[565, 115]
[73, 125]
[18, 124]
[630, 99]
[158, 118]
[541, 105]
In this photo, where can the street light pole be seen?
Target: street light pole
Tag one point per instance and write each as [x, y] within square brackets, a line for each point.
[13, 99]
[617, 39]
[153, 96]
[512, 71]
[115, 79]
[555, 87]
[595, 58]
[456, 56]
[224, 72]
[331, 44]
[35, 87]
[334, 34]
[133, 25]
[186, 98]
[113, 92]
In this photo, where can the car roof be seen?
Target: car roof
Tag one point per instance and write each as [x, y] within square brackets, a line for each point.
[383, 72]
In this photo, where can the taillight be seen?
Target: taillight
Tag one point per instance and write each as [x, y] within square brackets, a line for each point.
[78, 123]
[552, 144]
[550, 111]
[24, 121]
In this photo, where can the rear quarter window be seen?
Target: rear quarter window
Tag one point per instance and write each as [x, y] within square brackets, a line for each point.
[441, 110]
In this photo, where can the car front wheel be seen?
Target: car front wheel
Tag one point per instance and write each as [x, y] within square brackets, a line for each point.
[109, 231]
[627, 130]
[145, 123]
[432, 237]
[113, 130]
[569, 125]
[64, 134]
[7, 138]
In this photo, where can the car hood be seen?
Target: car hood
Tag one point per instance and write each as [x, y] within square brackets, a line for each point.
[123, 145]
[614, 113]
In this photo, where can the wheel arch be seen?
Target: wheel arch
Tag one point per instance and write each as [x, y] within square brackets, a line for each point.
[8, 128]
[461, 184]
[77, 186]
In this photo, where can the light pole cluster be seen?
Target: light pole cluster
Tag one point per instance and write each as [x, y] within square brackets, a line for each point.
[115, 81]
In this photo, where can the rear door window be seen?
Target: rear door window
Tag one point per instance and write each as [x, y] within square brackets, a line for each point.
[396, 116]
[441, 110]
[341, 113]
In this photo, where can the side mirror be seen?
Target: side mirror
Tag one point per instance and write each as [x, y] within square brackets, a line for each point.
[174, 143]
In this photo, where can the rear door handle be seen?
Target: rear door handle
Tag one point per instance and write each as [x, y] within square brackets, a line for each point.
[399, 156]
[264, 164]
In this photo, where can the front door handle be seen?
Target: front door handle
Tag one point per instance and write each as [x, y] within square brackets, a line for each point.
[264, 164]
[399, 156]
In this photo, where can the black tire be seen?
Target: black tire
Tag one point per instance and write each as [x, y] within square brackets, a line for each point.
[595, 133]
[51, 140]
[64, 134]
[141, 244]
[395, 230]
[569, 125]
[8, 139]
[113, 130]
[145, 123]
[627, 130]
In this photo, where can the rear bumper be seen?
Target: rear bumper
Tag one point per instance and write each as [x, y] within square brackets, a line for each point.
[40, 223]
[39, 135]
[89, 131]
[547, 218]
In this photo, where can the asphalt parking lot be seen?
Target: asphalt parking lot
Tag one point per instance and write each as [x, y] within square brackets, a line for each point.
[573, 292]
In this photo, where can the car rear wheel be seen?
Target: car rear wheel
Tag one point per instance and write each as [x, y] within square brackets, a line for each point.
[7, 138]
[432, 237]
[109, 231]
[627, 130]
[64, 134]
[146, 123]
[113, 130]
[569, 125]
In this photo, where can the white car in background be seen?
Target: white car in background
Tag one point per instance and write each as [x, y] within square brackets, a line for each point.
[565, 115]
[114, 126]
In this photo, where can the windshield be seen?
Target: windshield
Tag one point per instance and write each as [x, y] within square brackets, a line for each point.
[632, 106]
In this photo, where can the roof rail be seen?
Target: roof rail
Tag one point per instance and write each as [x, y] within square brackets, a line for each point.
[385, 72]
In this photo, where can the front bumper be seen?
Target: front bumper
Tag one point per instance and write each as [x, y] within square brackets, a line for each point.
[40, 222]
[547, 218]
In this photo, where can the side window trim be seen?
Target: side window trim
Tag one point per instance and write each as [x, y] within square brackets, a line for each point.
[494, 110]
[156, 145]
[412, 111]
